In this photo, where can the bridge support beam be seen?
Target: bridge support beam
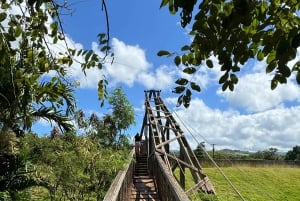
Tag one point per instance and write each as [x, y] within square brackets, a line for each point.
[164, 134]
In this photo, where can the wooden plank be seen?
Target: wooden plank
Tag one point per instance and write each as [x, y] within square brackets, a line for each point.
[168, 141]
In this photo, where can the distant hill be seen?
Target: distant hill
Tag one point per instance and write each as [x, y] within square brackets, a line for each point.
[239, 152]
[230, 151]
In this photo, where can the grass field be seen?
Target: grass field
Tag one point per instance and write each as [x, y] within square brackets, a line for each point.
[254, 184]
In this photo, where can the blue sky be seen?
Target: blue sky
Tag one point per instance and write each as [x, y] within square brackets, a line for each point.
[251, 118]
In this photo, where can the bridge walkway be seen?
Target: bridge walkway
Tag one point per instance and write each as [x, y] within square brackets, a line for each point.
[144, 185]
[161, 132]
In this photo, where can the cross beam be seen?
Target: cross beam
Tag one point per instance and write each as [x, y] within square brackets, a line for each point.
[163, 134]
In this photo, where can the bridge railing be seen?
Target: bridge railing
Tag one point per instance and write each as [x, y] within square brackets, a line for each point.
[168, 187]
[121, 186]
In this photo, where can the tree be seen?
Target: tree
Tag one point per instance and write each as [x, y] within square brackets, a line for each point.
[235, 31]
[123, 111]
[23, 98]
[29, 31]
[199, 151]
[110, 129]
[269, 154]
[293, 154]
[73, 167]
[16, 174]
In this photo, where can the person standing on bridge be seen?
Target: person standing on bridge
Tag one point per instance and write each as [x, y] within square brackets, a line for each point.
[137, 140]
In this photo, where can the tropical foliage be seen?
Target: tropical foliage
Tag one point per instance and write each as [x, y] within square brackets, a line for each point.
[30, 32]
[67, 167]
[233, 32]
[64, 166]
[111, 129]
[123, 112]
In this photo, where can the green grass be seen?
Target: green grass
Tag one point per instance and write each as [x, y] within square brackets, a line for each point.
[269, 183]
[256, 184]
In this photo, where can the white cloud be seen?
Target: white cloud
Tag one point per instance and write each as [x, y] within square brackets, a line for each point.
[128, 63]
[162, 78]
[130, 66]
[229, 129]
[254, 94]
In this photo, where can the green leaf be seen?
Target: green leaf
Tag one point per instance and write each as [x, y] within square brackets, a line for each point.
[164, 3]
[189, 70]
[105, 48]
[235, 68]
[105, 41]
[185, 48]
[271, 66]
[163, 53]
[188, 92]
[231, 86]
[225, 86]
[18, 31]
[296, 66]
[177, 60]
[55, 39]
[260, 55]
[88, 55]
[179, 100]
[101, 35]
[101, 87]
[271, 57]
[195, 86]
[234, 78]
[2, 16]
[181, 81]
[178, 89]
[296, 41]
[285, 71]
[54, 25]
[187, 100]
[274, 84]
[184, 59]
[223, 78]
[209, 63]
[79, 52]
[298, 77]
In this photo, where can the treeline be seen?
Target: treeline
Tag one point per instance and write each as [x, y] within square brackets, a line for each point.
[268, 154]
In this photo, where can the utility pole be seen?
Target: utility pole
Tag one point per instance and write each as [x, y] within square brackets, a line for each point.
[213, 150]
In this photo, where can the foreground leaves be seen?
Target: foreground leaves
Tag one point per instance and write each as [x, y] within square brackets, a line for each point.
[235, 31]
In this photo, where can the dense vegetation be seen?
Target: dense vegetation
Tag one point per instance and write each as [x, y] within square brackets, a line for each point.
[61, 167]
[67, 166]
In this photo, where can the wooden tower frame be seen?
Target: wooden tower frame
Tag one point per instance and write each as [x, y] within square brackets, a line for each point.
[161, 132]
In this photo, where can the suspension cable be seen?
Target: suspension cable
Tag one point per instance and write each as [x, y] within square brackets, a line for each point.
[259, 189]
[212, 160]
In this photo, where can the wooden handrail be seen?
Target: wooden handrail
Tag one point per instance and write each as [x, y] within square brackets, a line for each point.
[121, 185]
[167, 185]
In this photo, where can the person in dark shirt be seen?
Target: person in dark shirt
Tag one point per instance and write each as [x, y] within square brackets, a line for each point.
[137, 140]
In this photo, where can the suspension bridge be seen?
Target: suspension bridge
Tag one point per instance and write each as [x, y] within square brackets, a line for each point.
[159, 172]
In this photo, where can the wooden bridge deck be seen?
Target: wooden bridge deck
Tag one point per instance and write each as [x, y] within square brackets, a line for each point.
[144, 186]
[142, 182]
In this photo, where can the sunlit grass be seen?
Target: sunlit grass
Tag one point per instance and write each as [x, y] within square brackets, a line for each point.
[253, 184]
